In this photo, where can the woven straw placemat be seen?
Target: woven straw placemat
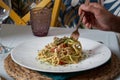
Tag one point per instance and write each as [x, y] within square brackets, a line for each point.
[1, 78]
[107, 71]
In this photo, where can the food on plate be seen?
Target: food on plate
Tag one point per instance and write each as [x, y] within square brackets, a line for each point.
[61, 51]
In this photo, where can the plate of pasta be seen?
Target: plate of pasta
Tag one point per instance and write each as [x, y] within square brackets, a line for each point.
[60, 54]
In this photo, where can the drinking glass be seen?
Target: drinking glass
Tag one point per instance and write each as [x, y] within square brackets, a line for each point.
[40, 21]
[4, 13]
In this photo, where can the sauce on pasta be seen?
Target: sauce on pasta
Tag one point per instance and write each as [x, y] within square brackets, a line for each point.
[61, 51]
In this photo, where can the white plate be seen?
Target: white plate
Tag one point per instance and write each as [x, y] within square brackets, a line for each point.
[25, 55]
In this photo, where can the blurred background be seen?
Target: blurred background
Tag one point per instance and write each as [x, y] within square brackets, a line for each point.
[68, 11]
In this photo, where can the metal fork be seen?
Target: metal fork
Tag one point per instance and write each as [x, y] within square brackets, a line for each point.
[75, 34]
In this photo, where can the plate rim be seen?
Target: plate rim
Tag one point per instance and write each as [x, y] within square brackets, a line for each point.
[58, 71]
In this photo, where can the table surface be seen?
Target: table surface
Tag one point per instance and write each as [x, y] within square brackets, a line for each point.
[13, 35]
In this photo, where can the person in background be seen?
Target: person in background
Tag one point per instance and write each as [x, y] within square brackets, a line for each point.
[97, 16]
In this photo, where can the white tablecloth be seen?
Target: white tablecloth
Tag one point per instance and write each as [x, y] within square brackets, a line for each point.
[12, 35]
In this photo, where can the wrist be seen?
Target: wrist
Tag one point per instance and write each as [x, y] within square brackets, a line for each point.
[115, 24]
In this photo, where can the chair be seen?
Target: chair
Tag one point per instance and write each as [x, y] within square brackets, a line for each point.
[69, 16]
[24, 20]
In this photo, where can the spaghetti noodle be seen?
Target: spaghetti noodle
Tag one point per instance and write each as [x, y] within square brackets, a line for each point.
[61, 51]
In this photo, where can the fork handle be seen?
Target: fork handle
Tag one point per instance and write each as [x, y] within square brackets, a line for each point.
[79, 22]
[82, 15]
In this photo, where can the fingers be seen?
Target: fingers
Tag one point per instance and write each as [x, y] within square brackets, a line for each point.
[86, 23]
[90, 11]
[84, 20]
[92, 7]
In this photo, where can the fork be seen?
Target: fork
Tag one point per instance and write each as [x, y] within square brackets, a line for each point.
[75, 34]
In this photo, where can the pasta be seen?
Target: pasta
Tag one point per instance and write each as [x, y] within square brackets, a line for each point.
[61, 51]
